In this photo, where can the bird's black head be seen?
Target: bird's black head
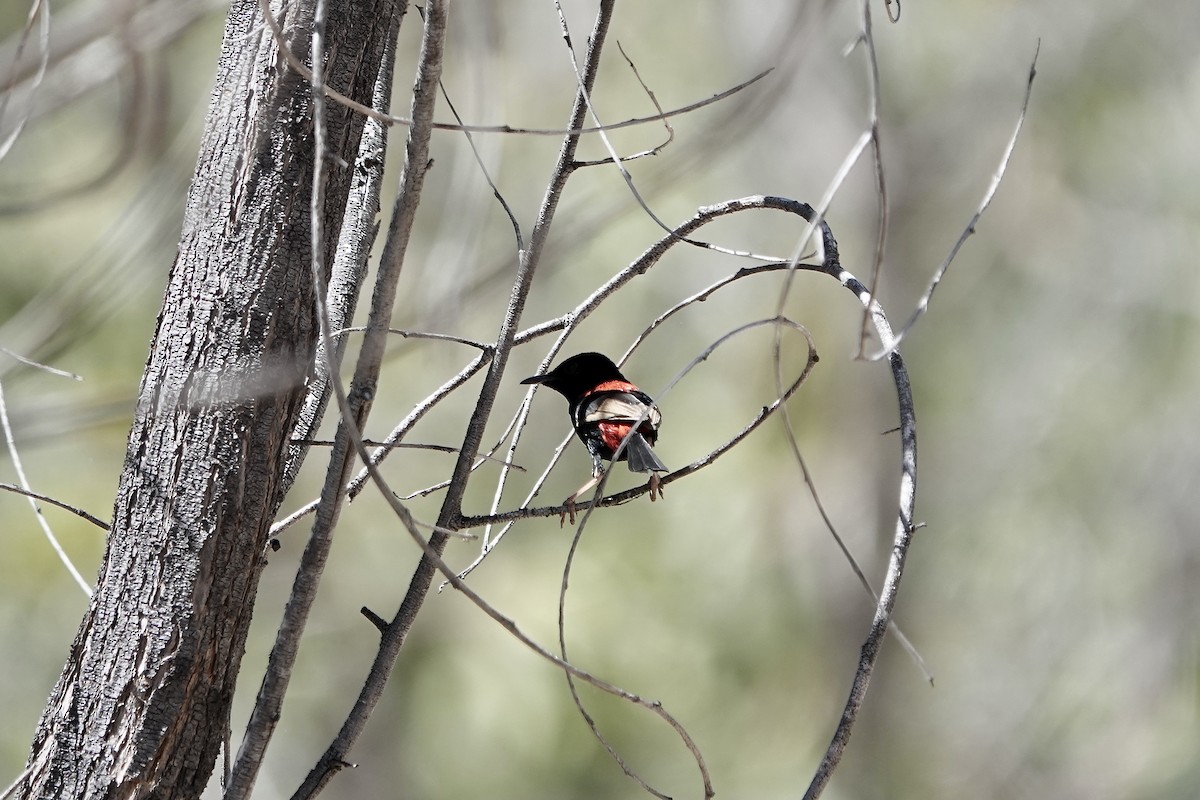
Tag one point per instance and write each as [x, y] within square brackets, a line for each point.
[579, 374]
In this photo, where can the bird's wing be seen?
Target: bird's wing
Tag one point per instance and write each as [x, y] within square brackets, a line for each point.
[621, 407]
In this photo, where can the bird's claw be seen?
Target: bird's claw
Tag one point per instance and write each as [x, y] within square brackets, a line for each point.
[568, 512]
[655, 487]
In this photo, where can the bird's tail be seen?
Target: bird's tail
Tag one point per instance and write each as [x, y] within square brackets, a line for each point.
[641, 457]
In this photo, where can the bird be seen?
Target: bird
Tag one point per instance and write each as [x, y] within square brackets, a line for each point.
[604, 408]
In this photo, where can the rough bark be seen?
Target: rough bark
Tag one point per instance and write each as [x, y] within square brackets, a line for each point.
[141, 708]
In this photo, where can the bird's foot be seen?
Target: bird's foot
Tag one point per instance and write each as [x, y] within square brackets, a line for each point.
[655, 487]
[568, 511]
[569, 503]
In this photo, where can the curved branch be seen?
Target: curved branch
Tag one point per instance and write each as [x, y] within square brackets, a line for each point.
[831, 266]
[811, 361]
[620, 498]
[902, 538]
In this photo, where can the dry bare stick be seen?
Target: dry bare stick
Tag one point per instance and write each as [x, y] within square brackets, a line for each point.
[520, 247]
[62, 373]
[867, 38]
[79, 512]
[512, 218]
[395, 633]
[997, 177]
[414, 416]
[356, 406]
[37, 512]
[266, 713]
[904, 526]
[392, 441]
[437, 448]
[12, 787]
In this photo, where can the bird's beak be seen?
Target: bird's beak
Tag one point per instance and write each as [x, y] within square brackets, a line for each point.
[538, 378]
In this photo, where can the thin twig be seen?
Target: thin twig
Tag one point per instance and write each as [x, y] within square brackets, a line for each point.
[79, 512]
[832, 262]
[396, 634]
[12, 787]
[881, 195]
[653, 151]
[389, 119]
[512, 218]
[10, 442]
[36, 365]
[923, 303]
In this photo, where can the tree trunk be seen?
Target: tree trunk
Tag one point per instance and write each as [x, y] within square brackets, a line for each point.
[141, 708]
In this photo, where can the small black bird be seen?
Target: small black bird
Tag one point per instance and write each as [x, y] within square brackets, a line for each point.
[604, 407]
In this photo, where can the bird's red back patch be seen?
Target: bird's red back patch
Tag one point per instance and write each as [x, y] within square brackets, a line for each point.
[614, 386]
[613, 433]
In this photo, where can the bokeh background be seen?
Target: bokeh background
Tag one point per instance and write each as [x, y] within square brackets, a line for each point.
[1053, 590]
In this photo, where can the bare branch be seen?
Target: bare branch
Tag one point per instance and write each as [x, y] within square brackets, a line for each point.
[393, 639]
[36, 365]
[486, 175]
[355, 407]
[900, 544]
[37, 512]
[79, 512]
[666, 123]
[923, 303]
[867, 38]
[389, 119]
[265, 715]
